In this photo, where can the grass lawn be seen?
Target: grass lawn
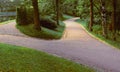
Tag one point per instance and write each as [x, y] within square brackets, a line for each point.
[6, 22]
[21, 59]
[65, 17]
[97, 32]
[45, 33]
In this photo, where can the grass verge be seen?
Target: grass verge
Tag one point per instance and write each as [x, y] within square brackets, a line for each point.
[6, 22]
[97, 32]
[21, 59]
[65, 17]
[45, 33]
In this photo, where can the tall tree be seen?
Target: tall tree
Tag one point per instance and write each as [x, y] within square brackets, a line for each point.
[104, 17]
[91, 15]
[57, 11]
[114, 19]
[36, 15]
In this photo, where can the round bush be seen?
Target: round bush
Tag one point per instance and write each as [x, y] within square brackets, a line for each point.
[48, 23]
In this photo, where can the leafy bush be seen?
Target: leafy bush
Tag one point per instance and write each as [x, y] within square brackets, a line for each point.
[48, 23]
[29, 15]
[97, 29]
[24, 15]
[21, 16]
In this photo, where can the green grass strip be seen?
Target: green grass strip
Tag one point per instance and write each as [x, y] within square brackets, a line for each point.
[44, 33]
[6, 22]
[22, 59]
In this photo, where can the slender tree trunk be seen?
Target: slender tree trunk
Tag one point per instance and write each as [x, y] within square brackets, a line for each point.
[114, 19]
[104, 17]
[57, 11]
[91, 15]
[36, 15]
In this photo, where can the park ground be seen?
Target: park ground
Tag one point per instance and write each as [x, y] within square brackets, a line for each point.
[76, 45]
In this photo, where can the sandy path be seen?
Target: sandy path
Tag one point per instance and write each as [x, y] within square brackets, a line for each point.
[75, 45]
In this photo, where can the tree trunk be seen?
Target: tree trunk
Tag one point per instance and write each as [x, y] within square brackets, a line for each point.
[91, 15]
[104, 17]
[114, 19]
[57, 11]
[36, 15]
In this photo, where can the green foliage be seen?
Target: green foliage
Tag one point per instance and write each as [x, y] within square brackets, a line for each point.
[21, 59]
[45, 33]
[70, 7]
[25, 17]
[22, 16]
[47, 22]
[46, 7]
[6, 22]
[79, 8]
[97, 29]
[29, 15]
[83, 9]
[65, 17]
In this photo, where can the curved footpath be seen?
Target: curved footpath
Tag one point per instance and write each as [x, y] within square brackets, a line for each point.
[75, 45]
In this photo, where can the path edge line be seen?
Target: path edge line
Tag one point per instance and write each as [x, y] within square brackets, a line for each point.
[97, 37]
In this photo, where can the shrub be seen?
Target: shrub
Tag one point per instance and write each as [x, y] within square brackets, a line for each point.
[97, 29]
[29, 15]
[25, 17]
[21, 16]
[48, 22]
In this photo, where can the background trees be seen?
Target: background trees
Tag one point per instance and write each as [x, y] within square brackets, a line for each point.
[91, 15]
[57, 11]
[102, 16]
